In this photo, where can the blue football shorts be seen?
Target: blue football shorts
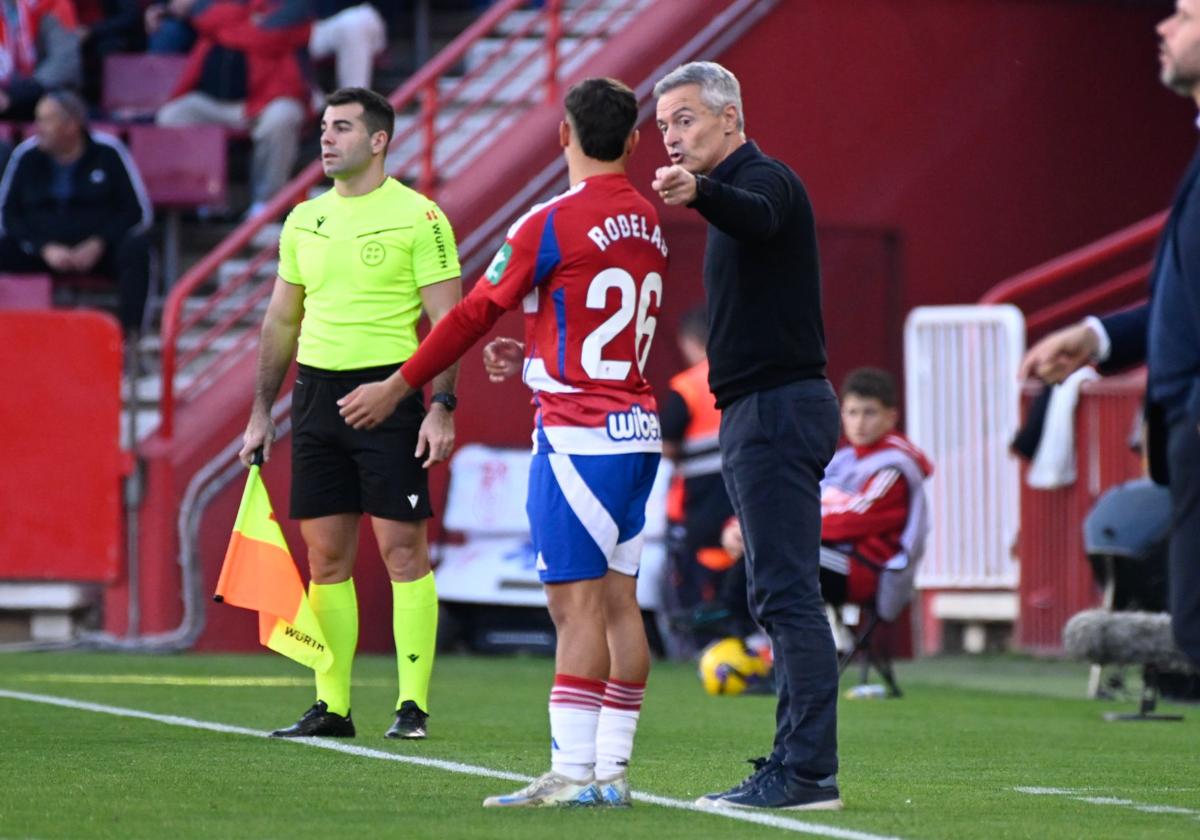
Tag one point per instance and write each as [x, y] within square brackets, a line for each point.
[587, 513]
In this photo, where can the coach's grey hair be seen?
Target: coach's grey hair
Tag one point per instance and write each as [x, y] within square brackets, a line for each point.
[718, 87]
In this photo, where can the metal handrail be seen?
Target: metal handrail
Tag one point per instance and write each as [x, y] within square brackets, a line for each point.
[1045, 276]
[1093, 299]
[422, 88]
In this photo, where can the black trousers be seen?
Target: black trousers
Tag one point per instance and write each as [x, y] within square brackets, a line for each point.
[1183, 558]
[775, 445]
[128, 265]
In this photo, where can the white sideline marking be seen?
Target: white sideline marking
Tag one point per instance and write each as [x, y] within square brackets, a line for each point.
[175, 680]
[785, 823]
[1144, 807]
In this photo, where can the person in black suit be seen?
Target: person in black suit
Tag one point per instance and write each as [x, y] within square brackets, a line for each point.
[1164, 333]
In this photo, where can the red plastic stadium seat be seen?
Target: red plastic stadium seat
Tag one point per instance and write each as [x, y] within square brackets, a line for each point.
[181, 167]
[25, 291]
[136, 85]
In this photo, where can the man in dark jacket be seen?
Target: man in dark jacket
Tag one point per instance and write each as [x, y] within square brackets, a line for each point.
[249, 71]
[1164, 334]
[72, 202]
[779, 415]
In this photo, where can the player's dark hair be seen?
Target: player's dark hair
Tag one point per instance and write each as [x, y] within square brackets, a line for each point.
[602, 113]
[378, 113]
[871, 383]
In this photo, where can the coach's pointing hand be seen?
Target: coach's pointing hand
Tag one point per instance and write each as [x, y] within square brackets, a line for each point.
[369, 405]
[675, 185]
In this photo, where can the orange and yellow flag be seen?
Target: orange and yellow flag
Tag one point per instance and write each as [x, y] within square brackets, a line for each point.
[259, 574]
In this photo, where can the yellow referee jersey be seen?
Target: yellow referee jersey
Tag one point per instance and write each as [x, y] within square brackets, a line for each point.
[362, 261]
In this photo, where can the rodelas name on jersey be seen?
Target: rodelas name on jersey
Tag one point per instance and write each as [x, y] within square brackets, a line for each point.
[626, 226]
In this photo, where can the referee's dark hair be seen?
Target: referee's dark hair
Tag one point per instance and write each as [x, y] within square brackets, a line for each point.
[378, 113]
[602, 113]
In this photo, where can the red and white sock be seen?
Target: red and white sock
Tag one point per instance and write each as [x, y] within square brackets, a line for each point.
[618, 723]
[574, 715]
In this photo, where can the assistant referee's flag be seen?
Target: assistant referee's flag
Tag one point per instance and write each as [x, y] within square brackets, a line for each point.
[259, 574]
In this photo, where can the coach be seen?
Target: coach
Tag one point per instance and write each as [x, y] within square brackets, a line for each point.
[779, 422]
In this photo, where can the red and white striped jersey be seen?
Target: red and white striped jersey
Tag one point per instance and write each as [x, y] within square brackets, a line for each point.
[587, 267]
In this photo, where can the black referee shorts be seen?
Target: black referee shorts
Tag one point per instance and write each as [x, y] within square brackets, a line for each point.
[337, 469]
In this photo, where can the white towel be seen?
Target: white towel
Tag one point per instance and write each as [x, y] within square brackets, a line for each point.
[1053, 463]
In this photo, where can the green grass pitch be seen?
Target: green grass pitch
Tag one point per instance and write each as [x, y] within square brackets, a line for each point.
[985, 748]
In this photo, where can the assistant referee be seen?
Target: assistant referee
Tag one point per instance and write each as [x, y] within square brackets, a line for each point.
[357, 265]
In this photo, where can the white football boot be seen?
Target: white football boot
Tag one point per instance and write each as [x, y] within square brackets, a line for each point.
[549, 789]
[614, 792]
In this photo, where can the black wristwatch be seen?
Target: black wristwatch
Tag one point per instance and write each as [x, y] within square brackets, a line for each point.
[445, 399]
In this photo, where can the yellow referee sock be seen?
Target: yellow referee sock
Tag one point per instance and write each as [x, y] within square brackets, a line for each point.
[414, 625]
[336, 608]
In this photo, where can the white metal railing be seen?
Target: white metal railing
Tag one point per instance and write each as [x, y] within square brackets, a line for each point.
[962, 407]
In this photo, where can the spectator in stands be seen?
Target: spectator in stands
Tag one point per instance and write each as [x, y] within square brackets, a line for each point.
[353, 33]
[697, 505]
[72, 203]
[39, 51]
[248, 71]
[1163, 334]
[167, 27]
[106, 27]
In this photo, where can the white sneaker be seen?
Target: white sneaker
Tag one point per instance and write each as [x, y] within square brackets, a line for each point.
[549, 789]
[614, 792]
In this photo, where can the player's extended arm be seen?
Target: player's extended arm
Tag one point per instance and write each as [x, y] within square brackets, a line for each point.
[436, 436]
[276, 347]
[368, 405]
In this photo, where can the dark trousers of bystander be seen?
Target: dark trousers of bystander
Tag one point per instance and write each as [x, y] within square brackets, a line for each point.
[1183, 448]
[127, 265]
[775, 445]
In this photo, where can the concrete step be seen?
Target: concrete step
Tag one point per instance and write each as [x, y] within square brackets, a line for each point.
[232, 268]
[506, 54]
[149, 386]
[453, 151]
[151, 345]
[147, 423]
[224, 307]
[526, 82]
[592, 22]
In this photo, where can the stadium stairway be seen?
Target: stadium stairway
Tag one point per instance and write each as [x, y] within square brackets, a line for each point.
[476, 129]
